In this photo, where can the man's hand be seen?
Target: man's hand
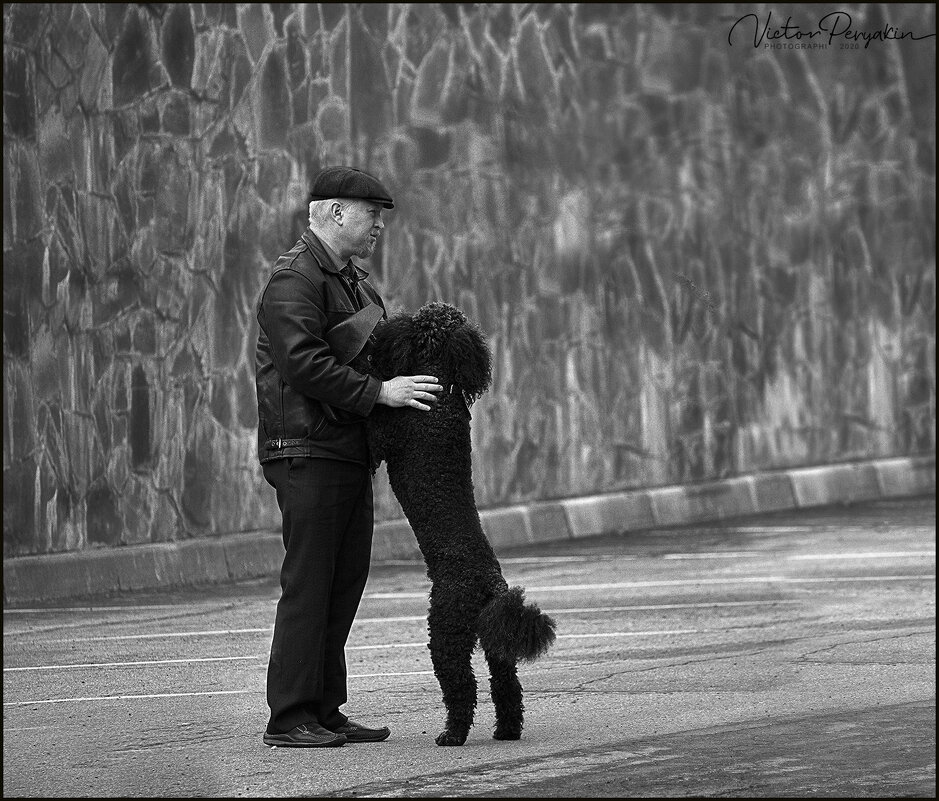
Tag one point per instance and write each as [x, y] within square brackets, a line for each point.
[410, 390]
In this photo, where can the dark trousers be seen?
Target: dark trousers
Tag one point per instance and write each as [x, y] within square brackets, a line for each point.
[327, 523]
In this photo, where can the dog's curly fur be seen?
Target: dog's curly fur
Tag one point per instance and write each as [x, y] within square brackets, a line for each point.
[430, 468]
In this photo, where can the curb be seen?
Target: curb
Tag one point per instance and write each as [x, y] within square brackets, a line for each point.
[246, 556]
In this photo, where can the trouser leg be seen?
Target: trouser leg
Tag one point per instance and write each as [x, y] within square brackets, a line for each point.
[327, 529]
[353, 558]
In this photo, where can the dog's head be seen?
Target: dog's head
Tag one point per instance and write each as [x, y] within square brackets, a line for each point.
[437, 340]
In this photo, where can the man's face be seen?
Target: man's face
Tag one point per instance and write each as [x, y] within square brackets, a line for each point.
[361, 226]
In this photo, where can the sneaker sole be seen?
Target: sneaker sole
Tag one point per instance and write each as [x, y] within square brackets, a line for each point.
[377, 739]
[274, 743]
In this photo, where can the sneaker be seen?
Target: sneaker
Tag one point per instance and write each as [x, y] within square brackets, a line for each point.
[306, 735]
[357, 733]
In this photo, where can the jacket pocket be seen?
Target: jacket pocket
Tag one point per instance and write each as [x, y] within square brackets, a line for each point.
[318, 421]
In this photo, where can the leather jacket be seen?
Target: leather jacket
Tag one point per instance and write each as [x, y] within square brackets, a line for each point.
[297, 378]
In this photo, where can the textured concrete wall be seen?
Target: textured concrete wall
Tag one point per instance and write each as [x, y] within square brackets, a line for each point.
[692, 261]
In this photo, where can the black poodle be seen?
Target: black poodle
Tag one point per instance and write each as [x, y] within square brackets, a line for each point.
[430, 468]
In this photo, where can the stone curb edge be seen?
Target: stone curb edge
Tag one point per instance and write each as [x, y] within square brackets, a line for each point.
[246, 556]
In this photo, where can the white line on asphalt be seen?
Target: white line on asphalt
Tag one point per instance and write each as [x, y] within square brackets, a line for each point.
[868, 555]
[806, 556]
[635, 633]
[423, 644]
[379, 646]
[762, 529]
[517, 560]
[655, 607]
[160, 635]
[718, 555]
[376, 647]
[710, 555]
[380, 620]
[383, 675]
[255, 691]
[135, 664]
[116, 608]
[351, 675]
[626, 585]
[126, 697]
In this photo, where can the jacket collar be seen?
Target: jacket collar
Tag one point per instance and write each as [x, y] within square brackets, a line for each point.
[322, 255]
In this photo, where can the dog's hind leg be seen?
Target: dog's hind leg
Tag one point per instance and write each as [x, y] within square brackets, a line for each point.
[506, 694]
[451, 649]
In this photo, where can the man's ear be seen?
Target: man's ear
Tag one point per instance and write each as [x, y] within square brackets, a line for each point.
[336, 209]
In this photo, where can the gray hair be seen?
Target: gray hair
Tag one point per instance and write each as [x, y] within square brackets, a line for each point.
[320, 211]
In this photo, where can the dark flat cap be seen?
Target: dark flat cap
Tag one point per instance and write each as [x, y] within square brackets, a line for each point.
[351, 183]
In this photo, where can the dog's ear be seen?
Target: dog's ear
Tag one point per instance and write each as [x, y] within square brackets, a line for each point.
[393, 349]
[468, 360]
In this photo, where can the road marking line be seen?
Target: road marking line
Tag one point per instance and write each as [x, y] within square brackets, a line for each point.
[806, 556]
[259, 691]
[423, 644]
[654, 607]
[718, 555]
[153, 636]
[116, 608]
[135, 664]
[383, 675]
[762, 529]
[256, 691]
[380, 620]
[635, 633]
[375, 647]
[867, 555]
[625, 585]
[157, 635]
[518, 560]
[127, 697]
[387, 645]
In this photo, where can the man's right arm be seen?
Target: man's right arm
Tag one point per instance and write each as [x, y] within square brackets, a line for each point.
[292, 315]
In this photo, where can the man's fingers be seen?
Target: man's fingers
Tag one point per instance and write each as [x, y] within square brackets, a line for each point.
[412, 390]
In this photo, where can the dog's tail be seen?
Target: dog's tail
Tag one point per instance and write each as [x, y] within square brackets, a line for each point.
[511, 630]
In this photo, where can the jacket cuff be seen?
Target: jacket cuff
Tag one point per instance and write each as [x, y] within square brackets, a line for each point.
[369, 396]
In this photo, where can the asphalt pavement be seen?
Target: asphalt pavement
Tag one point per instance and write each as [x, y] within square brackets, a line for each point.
[781, 655]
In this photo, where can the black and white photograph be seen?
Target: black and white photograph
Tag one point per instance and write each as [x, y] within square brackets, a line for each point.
[508, 400]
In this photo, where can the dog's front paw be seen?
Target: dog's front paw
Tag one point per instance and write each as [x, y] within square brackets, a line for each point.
[447, 737]
[507, 733]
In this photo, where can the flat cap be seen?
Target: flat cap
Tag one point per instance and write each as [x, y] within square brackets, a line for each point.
[350, 183]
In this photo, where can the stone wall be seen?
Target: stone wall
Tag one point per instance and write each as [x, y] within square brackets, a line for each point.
[691, 260]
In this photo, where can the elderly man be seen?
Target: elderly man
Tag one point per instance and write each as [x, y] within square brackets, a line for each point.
[313, 451]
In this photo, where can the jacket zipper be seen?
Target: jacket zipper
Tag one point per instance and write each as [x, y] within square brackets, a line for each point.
[283, 419]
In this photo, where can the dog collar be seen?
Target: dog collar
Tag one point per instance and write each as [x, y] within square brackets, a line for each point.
[455, 389]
